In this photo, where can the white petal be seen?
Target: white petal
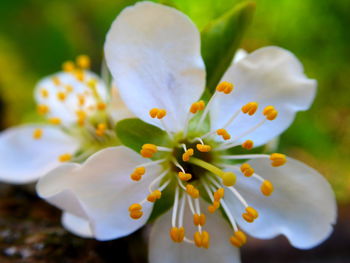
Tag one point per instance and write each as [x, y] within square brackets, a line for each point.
[163, 249]
[117, 108]
[66, 110]
[269, 76]
[77, 225]
[240, 54]
[24, 159]
[101, 191]
[153, 52]
[302, 207]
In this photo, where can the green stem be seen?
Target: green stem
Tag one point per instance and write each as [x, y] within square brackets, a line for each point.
[206, 166]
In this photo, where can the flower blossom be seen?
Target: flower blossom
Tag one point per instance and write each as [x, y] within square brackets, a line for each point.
[79, 116]
[204, 167]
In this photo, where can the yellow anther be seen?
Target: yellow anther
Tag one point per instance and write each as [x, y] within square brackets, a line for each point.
[148, 150]
[101, 129]
[65, 157]
[135, 211]
[68, 66]
[270, 112]
[203, 148]
[278, 159]
[224, 134]
[42, 109]
[157, 113]
[83, 61]
[266, 188]
[61, 96]
[248, 144]
[81, 100]
[138, 172]
[79, 75]
[228, 178]
[197, 106]
[44, 93]
[154, 196]
[185, 176]
[225, 87]
[177, 234]
[55, 121]
[37, 134]
[81, 116]
[250, 108]
[101, 106]
[192, 191]
[201, 239]
[56, 81]
[219, 194]
[250, 215]
[199, 220]
[247, 170]
[186, 155]
[238, 239]
[68, 88]
[101, 126]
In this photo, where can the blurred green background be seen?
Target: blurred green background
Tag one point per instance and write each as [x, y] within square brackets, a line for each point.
[36, 36]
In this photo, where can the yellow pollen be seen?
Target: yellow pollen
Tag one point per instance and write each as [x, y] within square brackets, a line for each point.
[238, 239]
[228, 178]
[250, 215]
[44, 93]
[83, 61]
[56, 81]
[79, 75]
[61, 96]
[270, 112]
[201, 239]
[137, 174]
[135, 211]
[266, 188]
[65, 157]
[154, 196]
[199, 220]
[42, 109]
[38, 134]
[186, 155]
[81, 100]
[192, 191]
[203, 148]
[225, 87]
[248, 144]
[278, 159]
[185, 176]
[224, 134]
[197, 106]
[148, 150]
[250, 108]
[157, 113]
[68, 88]
[177, 234]
[247, 170]
[219, 194]
[101, 106]
[55, 121]
[68, 66]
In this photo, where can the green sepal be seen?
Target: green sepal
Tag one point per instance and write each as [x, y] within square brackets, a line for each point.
[134, 133]
[221, 38]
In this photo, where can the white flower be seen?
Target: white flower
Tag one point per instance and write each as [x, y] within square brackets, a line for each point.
[153, 53]
[80, 114]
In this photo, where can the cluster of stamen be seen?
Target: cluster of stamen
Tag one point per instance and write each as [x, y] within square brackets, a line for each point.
[215, 180]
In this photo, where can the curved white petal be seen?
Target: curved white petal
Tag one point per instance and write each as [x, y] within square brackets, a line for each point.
[163, 249]
[73, 88]
[269, 76]
[153, 53]
[302, 207]
[240, 54]
[117, 108]
[77, 225]
[101, 191]
[24, 159]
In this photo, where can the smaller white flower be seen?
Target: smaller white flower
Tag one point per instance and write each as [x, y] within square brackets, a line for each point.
[153, 53]
[80, 114]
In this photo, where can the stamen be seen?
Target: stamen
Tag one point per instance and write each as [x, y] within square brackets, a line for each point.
[202, 147]
[199, 219]
[101, 106]
[101, 129]
[83, 61]
[182, 210]
[278, 159]
[81, 100]
[270, 112]
[238, 239]
[55, 121]
[175, 207]
[224, 134]
[266, 188]
[250, 215]
[154, 196]
[197, 106]
[177, 234]
[56, 81]
[187, 154]
[37, 134]
[61, 96]
[250, 108]
[68, 66]
[244, 156]
[138, 173]
[44, 93]
[158, 179]
[65, 157]
[148, 150]
[247, 170]
[192, 191]
[135, 211]
[157, 113]
[185, 176]
[201, 239]
[225, 87]
[79, 75]
[69, 88]
[248, 144]
[42, 109]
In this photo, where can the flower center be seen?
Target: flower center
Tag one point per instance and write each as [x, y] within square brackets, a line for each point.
[201, 167]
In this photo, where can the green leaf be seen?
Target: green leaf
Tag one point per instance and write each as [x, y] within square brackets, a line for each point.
[221, 38]
[133, 133]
